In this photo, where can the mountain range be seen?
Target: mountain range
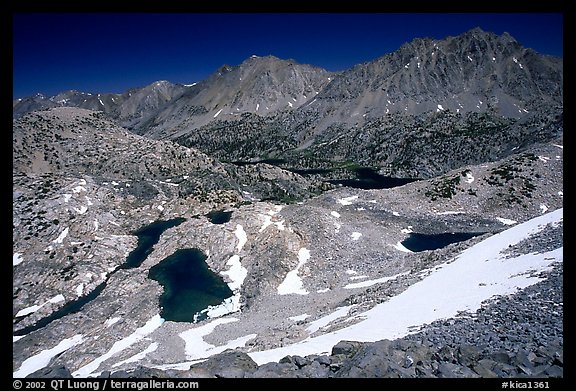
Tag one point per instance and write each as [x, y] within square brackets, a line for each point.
[441, 95]
[301, 187]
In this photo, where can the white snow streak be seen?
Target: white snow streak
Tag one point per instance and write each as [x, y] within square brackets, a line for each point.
[111, 321]
[347, 200]
[292, 282]
[366, 283]
[82, 209]
[43, 358]
[195, 346]
[61, 237]
[34, 308]
[241, 235]
[17, 259]
[506, 221]
[461, 284]
[237, 273]
[299, 317]
[139, 356]
[29, 310]
[155, 322]
[400, 246]
[219, 111]
[326, 320]
[228, 306]
[335, 214]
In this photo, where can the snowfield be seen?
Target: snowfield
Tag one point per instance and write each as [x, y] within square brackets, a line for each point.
[43, 358]
[461, 284]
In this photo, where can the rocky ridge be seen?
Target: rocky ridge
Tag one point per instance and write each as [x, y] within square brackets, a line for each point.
[478, 92]
[338, 228]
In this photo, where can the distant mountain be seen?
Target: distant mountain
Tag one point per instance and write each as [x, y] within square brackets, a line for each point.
[479, 94]
[474, 72]
[260, 85]
[128, 108]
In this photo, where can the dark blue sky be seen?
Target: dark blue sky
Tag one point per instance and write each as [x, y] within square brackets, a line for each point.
[113, 52]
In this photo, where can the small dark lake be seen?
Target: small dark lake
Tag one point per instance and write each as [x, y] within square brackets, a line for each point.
[148, 236]
[189, 285]
[365, 177]
[421, 242]
[368, 178]
[219, 216]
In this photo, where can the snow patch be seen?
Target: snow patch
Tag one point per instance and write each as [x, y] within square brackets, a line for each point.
[469, 177]
[139, 356]
[80, 290]
[237, 273]
[400, 246]
[139, 334]
[347, 200]
[195, 346]
[67, 197]
[440, 108]
[335, 214]
[407, 230]
[326, 320]
[506, 221]
[355, 235]
[29, 310]
[292, 282]
[57, 299]
[366, 283]
[228, 306]
[242, 237]
[219, 111]
[82, 209]
[299, 317]
[461, 284]
[111, 321]
[543, 208]
[42, 359]
[17, 259]
[61, 237]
